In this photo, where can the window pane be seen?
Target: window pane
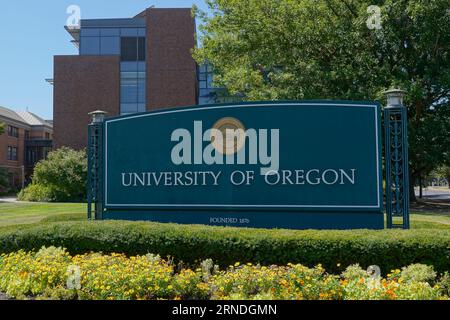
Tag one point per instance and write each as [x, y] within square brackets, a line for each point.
[110, 45]
[141, 49]
[205, 92]
[129, 32]
[141, 66]
[128, 108]
[141, 107]
[128, 94]
[90, 46]
[142, 32]
[129, 87]
[110, 32]
[90, 32]
[129, 66]
[141, 91]
[129, 49]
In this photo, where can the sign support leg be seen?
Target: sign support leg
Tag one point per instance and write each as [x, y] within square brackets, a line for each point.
[95, 166]
[396, 154]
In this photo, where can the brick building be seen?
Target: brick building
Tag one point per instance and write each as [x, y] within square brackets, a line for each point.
[125, 66]
[26, 140]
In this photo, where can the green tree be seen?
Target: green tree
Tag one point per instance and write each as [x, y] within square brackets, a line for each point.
[444, 172]
[61, 177]
[336, 49]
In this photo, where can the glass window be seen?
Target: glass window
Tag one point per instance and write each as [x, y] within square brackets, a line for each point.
[90, 46]
[129, 32]
[110, 45]
[129, 49]
[90, 32]
[141, 66]
[141, 91]
[142, 32]
[27, 135]
[129, 66]
[129, 92]
[13, 131]
[141, 107]
[12, 153]
[110, 32]
[141, 49]
[126, 108]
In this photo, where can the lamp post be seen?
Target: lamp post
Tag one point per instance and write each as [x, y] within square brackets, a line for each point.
[95, 169]
[98, 116]
[396, 159]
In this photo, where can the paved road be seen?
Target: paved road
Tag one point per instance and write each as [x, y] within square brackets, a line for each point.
[8, 199]
[435, 194]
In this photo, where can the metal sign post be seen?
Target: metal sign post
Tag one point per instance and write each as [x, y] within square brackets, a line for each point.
[95, 164]
[396, 152]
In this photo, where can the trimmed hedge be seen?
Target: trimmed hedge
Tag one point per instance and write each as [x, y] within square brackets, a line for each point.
[190, 243]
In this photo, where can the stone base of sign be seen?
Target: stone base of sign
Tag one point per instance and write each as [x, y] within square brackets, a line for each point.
[266, 219]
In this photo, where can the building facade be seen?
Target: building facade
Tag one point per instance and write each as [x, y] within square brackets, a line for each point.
[26, 139]
[124, 66]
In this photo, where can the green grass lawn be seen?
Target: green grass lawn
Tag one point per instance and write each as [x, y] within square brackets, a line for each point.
[12, 214]
[27, 213]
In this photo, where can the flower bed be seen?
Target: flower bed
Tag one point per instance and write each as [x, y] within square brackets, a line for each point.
[52, 273]
[192, 244]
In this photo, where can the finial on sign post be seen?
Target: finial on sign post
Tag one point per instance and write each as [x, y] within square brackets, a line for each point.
[394, 97]
[98, 116]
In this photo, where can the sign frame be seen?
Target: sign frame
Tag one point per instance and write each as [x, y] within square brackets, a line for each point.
[369, 216]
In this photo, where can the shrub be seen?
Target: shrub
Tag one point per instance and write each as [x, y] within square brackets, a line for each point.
[62, 177]
[47, 275]
[37, 193]
[418, 272]
[354, 272]
[193, 244]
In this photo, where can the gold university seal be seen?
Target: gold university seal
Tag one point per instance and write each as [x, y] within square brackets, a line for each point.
[232, 137]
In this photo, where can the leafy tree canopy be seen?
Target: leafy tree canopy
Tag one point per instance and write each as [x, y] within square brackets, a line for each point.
[324, 49]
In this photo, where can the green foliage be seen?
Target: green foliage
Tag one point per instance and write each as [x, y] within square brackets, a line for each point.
[193, 244]
[52, 273]
[444, 171]
[37, 193]
[62, 177]
[354, 272]
[418, 272]
[265, 49]
[444, 283]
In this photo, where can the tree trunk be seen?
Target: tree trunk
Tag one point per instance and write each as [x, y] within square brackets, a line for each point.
[420, 188]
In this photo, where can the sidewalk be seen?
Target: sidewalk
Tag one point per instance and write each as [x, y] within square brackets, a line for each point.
[8, 199]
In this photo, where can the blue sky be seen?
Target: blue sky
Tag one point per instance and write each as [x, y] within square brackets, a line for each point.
[32, 32]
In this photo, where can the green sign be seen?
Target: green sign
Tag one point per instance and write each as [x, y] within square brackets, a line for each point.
[312, 164]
